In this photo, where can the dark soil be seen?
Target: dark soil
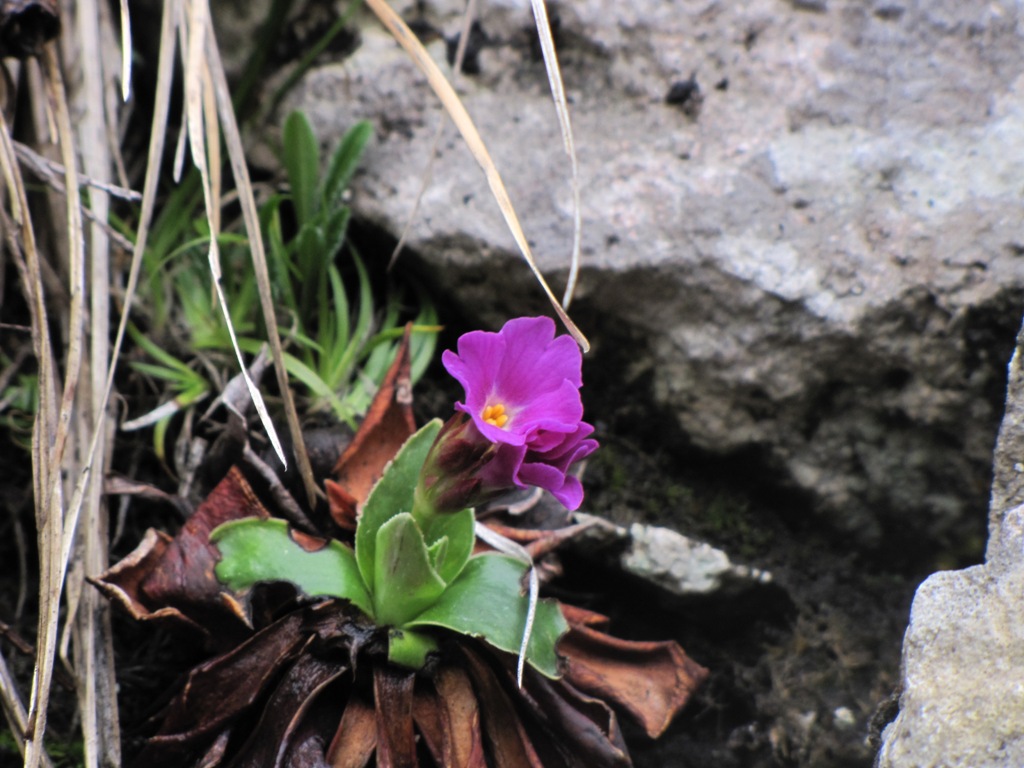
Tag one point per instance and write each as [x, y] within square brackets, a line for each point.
[803, 669]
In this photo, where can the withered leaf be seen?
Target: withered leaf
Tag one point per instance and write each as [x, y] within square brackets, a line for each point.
[583, 730]
[356, 738]
[122, 582]
[448, 718]
[538, 542]
[388, 424]
[506, 737]
[174, 578]
[307, 746]
[269, 745]
[652, 681]
[218, 691]
[584, 616]
[396, 742]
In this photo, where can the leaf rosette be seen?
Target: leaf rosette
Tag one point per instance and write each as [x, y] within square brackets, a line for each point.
[411, 572]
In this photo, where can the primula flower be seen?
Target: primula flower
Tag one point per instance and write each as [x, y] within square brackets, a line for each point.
[522, 389]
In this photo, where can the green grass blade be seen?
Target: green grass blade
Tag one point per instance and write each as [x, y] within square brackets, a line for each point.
[344, 162]
[302, 161]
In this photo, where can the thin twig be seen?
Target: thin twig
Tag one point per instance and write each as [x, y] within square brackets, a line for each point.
[52, 172]
[8, 373]
[236, 154]
[88, 618]
[46, 170]
[285, 501]
[45, 432]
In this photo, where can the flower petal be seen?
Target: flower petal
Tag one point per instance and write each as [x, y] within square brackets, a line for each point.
[503, 470]
[566, 488]
[558, 410]
[535, 361]
[477, 365]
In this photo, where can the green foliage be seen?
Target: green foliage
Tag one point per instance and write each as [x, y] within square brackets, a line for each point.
[267, 552]
[392, 494]
[340, 341]
[486, 601]
[410, 571]
[405, 583]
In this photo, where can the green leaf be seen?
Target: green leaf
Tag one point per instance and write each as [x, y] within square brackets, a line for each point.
[335, 230]
[335, 356]
[485, 601]
[458, 530]
[344, 161]
[311, 253]
[254, 550]
[437, 551]
[405, 584]
[157, 352]
[356, 337]
[279, 260]
[391, 495]
[160, 438]
[171, 375]
[303, 373]
[371, 374]
[424, 337]
[302, 160]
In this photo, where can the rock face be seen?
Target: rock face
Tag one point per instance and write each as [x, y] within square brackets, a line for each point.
[815, 252]
[963, 656]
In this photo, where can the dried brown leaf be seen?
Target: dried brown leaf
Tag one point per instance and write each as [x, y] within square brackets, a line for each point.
[448, 718]
[506, 737]
[174, 578]
[652, 681]
[538, 542]
[581, 730]
[356, 738]
[218, 691]
[388, 424]
[583, 616]
[288, 706]
[396, 742]
[122, 582]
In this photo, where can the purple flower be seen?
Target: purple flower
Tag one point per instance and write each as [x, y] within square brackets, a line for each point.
[522, 389]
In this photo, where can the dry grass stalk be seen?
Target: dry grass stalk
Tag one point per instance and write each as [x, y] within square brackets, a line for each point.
[453, 104]
[547, 47]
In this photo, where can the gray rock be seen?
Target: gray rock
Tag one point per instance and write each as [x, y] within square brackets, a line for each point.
[963, 655]
[819, 263]
[678, 564]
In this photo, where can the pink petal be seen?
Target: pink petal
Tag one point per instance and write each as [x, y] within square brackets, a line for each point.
[558, 410]
[535, 361]
[566, 488]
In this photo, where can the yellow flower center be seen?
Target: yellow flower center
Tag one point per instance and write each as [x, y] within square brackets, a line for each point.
[495, 415]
